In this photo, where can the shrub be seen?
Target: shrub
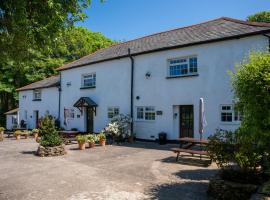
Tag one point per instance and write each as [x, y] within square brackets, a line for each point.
[35, 130]
[2, 129]
[17, 133]
[81, 138]
[48, 132]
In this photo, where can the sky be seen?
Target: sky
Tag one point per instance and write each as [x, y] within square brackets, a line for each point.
[124, 20]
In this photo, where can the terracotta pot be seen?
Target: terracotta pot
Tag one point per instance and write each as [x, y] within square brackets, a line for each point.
[25, 136]
[1, 137]
[91, 145]
[102, 142]
[18, 137]
[81, 145]
[130, 139]
[35, 135]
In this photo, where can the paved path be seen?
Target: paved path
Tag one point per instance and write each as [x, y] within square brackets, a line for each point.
[128, 172]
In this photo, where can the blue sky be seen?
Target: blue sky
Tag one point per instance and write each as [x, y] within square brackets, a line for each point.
[129, 19]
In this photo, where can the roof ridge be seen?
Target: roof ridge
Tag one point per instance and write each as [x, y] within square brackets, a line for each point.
[263, 24]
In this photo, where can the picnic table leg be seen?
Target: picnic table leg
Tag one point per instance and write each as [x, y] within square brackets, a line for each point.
[177, 157]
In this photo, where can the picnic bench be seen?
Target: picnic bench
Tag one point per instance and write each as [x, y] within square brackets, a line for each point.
[69, 136]
[186, 145]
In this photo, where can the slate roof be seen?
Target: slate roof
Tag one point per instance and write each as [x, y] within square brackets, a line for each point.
[211, 31]
[12, 111]
[52, 81]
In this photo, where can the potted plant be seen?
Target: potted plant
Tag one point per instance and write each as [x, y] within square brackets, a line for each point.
[102, 139]
[35, 132]
[2, 133]
[50, 143]
[92, 140]
[17, 134]
[82, 139]
[25, 134]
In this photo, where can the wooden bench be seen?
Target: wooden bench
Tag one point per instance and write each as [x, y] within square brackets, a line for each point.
[190, 151]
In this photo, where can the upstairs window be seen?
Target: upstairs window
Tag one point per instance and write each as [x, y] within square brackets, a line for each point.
[146, 113]
[37, 95]
[229, 114]
[89, 80]
[112, 112]
[183, 66]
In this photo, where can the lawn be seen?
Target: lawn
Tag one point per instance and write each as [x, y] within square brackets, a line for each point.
[134, 171]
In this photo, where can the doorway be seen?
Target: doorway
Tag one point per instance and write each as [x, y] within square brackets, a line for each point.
[186, 121]
[89, 120]
[36, 117]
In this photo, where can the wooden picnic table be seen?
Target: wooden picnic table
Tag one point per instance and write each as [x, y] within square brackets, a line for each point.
[69, 136]
[187, 143]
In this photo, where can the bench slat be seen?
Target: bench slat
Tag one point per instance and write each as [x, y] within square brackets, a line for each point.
[177, 150]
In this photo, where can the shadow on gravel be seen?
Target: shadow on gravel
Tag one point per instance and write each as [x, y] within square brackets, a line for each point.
[181, 191]
[188, 160]
[29, 152]
[197, 175]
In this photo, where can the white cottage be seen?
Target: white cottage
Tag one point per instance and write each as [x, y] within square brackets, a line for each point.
[157, 79]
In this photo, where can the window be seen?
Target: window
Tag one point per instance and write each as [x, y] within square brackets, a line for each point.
[71, 113]
[183, 66]
[229, 114]
[146, 113]
[112, 112]
[89, 80]
[37, 95]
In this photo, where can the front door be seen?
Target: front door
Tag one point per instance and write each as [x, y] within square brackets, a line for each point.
[186, 121]
[36, 115]
[89, 120]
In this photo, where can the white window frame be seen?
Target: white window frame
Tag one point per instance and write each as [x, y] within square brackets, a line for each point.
[146, 110]
[37, 94]
[92, 77]
[182, 62]
[113, 110]
[234, 113]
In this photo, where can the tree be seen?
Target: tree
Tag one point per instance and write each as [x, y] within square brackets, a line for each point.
[260, 17]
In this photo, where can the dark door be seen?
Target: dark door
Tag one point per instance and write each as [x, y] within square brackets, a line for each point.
[89, 120]
[36, 119]
[186, 121]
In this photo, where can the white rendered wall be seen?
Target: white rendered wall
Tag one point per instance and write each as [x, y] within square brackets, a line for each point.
[49, 103]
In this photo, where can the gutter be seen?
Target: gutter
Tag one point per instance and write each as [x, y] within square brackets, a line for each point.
[131, 87]
[59, 98]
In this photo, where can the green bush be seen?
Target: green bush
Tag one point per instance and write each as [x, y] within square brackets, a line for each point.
[92, 138]
[2, 129]
[49, 135]
[81, 138]
[101, 137]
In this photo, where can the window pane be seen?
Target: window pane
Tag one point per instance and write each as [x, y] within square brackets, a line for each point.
[89, 80]
[140, 113]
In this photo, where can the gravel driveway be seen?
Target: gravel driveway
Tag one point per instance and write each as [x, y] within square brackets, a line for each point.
[125, 172]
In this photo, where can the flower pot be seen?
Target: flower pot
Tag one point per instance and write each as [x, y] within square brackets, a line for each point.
[91, 145]
[1, 135]
[18, 137]
[25, 136]
[102, 142]
[35, 135]
[81, 145]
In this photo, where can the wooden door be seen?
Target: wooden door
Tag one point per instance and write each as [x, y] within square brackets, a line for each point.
[36, 119]
[89, 120]
[186, 121]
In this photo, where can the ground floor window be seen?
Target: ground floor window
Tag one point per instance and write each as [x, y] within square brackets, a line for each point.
[112, 112]
[229, 113]
[146, 113]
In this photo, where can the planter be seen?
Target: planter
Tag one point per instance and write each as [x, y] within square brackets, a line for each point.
[223, 189]
[1, 135]
[51, 151]
[91, 145]
[35, 135]
[81, 145]
[18, 137]
[102, 142]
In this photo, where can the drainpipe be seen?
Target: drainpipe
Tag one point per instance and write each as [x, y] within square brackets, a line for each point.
[268, 41]
[131, 87]
[59, 99]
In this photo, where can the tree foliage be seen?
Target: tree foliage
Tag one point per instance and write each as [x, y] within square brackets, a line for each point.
[260, 17]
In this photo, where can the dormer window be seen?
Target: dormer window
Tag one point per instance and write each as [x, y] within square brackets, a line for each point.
[89, 80]
[37, 95]
[183, 66]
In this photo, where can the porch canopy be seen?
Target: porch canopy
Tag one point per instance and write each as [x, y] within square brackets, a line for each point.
[85, 102]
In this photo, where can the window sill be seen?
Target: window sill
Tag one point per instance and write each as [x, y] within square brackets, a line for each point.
[182, 76]
[230, 123]
[147, 121]
[89, 87]
[36, 99]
